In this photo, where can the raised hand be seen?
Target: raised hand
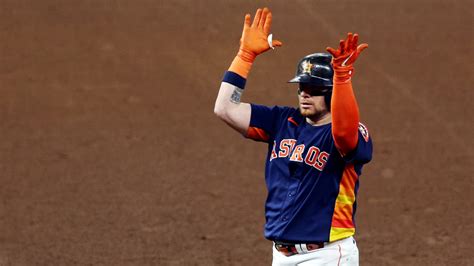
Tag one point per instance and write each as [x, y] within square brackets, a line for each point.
[345, 56]
[254, 35]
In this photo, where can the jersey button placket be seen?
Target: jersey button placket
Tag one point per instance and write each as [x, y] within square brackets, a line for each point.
[288, 209]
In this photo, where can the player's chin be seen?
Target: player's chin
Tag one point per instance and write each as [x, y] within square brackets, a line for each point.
[307, 111]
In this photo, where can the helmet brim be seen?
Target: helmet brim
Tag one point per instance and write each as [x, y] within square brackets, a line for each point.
[301, 79]
[317, 81]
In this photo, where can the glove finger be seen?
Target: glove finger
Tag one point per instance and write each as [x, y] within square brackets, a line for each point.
[332, 51]
[349, 41]
[356, 53]
[276, 43]
[361, 48]
[246, 24]
[256, 19]
[355, 39]
[341, 47]
[268, 23]
[247, 21]
[345, 41]
[261, 23]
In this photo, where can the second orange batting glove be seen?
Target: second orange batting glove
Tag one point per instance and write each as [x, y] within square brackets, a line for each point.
[345, 56]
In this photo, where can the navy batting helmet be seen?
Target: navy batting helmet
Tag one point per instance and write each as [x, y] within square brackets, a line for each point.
[316, 70]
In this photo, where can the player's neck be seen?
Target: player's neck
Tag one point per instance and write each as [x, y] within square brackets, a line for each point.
[319, 119]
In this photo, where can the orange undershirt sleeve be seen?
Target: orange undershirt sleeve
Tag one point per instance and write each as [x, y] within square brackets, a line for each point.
[344, 113]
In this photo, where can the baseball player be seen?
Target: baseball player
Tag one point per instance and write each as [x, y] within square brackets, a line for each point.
[315, 152]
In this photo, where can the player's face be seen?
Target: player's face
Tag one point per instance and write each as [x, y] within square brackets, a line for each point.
[311, 102]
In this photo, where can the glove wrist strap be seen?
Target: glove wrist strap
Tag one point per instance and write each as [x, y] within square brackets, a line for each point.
[242, 63]
[246, 55]
[343, 74]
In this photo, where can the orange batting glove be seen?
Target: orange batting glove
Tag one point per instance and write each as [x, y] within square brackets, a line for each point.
[345, 56]
[253, 42]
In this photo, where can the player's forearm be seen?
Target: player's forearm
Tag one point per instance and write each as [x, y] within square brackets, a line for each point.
[230, 93]
[345, 116]
[228, 106]
[227, 100]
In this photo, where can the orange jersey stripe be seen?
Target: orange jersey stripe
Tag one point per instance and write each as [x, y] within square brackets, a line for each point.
[343, 209]
[348, 181]
[343, 224]
[257, 134]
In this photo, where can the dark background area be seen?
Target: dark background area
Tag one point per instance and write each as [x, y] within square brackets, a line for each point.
[110, 153]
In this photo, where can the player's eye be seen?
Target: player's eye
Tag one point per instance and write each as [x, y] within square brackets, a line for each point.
[313, 91]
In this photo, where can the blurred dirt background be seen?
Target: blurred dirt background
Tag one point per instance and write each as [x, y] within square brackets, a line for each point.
[110, 153]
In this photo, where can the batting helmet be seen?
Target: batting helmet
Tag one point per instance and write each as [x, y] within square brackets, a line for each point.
[316, 70]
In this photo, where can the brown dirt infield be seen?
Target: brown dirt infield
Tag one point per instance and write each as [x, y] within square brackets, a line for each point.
[111, 153]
